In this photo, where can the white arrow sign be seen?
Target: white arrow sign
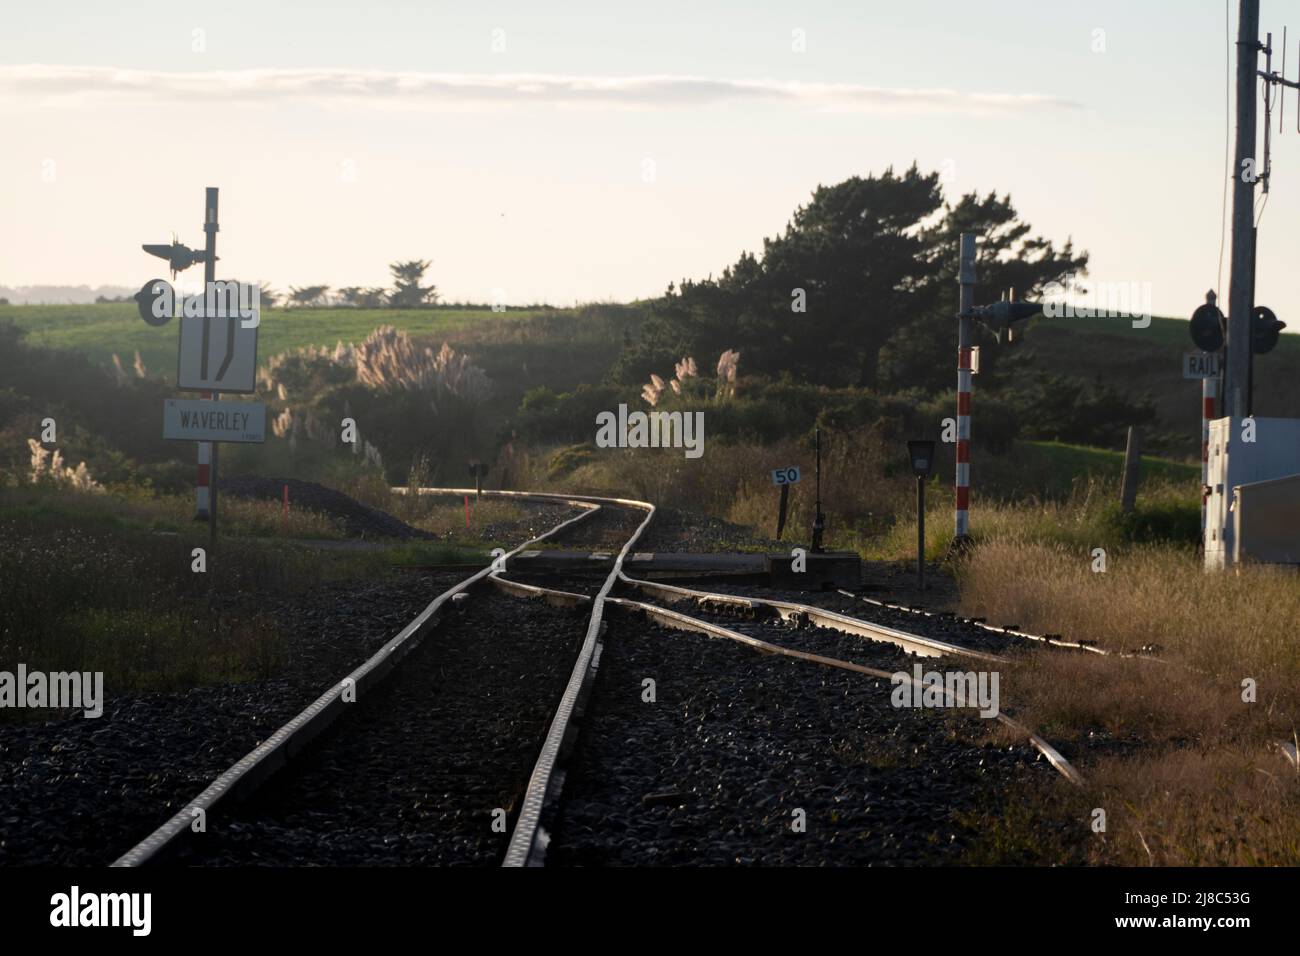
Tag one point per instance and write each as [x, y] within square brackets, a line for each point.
[203, 420]
[217, 355]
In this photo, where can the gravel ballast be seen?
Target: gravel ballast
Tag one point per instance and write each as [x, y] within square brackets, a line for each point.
[713, 771]
[80, 792]
[413, 775]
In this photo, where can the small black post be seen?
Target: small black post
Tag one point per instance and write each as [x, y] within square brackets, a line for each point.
[819, 521]
[780, 515]
[921, 453]
[920, 532]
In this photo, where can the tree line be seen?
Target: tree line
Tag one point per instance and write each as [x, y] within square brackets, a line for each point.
[859, 290]
[407, 292]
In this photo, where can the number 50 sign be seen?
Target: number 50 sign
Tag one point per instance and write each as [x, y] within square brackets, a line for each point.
[786, 476]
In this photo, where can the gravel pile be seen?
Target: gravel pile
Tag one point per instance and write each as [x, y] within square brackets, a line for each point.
[537, 518]
[713, 771]
[358, 520]
[80, 792]
[413, 774]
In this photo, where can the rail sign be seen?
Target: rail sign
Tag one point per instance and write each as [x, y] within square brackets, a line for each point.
[217, 355]
[786, 476]
[1200, 364]
[204, 420]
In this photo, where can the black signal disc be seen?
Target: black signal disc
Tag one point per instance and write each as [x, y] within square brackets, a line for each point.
[144, 300]
[1207, 328]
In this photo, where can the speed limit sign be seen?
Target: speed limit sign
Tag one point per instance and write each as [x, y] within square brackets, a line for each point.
[786, 476]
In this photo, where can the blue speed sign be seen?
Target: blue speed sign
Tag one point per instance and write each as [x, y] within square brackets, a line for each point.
[786, 476]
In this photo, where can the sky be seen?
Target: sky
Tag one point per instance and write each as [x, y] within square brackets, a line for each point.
[585, 152]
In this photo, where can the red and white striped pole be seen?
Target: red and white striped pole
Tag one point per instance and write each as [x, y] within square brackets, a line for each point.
[202, 500]
[966, 277]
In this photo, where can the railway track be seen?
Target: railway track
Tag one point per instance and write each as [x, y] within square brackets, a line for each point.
[470, 752]
[279, 823]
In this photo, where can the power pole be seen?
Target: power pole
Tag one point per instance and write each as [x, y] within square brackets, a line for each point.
[1244, 173]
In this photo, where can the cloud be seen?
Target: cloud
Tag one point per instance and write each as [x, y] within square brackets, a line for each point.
[47, 86]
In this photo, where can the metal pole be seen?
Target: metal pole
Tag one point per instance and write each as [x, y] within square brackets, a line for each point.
[819, 522]
[210, 229]
[966, 277]
[1243, 194]
[1209, 389]
[1132, 465]
[920, 533]
[1250, 334]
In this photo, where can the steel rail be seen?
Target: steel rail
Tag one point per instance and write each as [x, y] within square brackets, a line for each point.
[528, 840]
[685, 622]
[1056, 641]
[819, 617]
[676, 619]
[259, 764]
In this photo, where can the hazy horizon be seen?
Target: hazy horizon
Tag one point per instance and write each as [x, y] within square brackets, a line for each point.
[599, 154]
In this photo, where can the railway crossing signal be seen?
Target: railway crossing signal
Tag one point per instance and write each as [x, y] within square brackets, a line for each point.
[1007, 317]
[1264, 330]
[179, 257]
[208, 361]
[1207, 326]
[146, 300]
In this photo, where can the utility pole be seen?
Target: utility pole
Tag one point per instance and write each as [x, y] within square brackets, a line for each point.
[1244, 174]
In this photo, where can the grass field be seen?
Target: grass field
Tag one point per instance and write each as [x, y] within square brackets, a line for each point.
[102, 330]
[1081, 460]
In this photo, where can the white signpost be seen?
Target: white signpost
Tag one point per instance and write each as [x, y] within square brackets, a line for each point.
[203, 420]
[786, 476]
[217, 355]
[1200, 364]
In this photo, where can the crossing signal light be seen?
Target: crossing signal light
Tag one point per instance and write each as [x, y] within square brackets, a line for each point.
[149, 293]
[1207, 326]
[1264, 329]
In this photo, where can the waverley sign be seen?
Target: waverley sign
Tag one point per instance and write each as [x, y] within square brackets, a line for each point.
[202, 420]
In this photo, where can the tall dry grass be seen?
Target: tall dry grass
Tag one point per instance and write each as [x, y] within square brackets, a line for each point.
[732, 481]
[1175, 750]
[1226, 626]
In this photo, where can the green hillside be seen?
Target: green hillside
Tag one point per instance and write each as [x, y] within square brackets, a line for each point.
[101, 330]
[1149, 361]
